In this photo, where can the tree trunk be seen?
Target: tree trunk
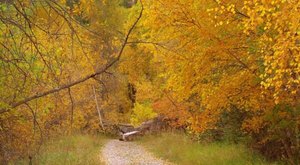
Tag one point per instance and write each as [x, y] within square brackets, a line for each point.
[98, 109]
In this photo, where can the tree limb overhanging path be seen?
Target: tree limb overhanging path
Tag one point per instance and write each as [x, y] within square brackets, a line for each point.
[87, 77]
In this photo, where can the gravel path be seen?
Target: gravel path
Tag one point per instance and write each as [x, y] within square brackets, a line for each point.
[117, 152]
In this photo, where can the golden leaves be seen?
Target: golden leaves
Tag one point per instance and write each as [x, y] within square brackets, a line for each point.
[209, 65]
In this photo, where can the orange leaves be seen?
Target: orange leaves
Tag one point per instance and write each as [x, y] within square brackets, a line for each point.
[202, 122]
[254, 125]
[175, 113]
[215, 67]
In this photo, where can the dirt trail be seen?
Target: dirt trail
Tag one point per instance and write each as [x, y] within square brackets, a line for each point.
[117, 152]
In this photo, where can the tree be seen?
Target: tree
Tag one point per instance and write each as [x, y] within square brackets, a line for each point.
[47, 46]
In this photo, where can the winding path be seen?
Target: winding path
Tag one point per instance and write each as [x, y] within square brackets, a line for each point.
[117, 152]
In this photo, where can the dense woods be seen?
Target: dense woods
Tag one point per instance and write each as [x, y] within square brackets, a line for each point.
[215, 69]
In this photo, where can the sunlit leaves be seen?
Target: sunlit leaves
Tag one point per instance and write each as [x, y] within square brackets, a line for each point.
[141, 113]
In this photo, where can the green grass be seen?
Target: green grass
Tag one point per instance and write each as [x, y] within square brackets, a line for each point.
[179, 149]
[70, 150]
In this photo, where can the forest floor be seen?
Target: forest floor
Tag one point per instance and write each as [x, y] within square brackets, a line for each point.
[117, 152]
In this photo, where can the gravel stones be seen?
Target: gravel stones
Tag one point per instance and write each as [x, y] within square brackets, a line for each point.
[117, 152]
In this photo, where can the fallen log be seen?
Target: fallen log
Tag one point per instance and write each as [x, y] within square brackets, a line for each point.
[128, 132]
[125, 136]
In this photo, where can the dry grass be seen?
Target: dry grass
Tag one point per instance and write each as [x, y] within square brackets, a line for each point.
[70, 150]
[179, 149]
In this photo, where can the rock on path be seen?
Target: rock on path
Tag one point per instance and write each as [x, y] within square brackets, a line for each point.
[117, 152]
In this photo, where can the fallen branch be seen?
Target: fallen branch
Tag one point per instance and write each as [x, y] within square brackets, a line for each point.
[127, 134]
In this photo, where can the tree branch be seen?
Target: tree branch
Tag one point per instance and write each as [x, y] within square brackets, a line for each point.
[65, 86]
